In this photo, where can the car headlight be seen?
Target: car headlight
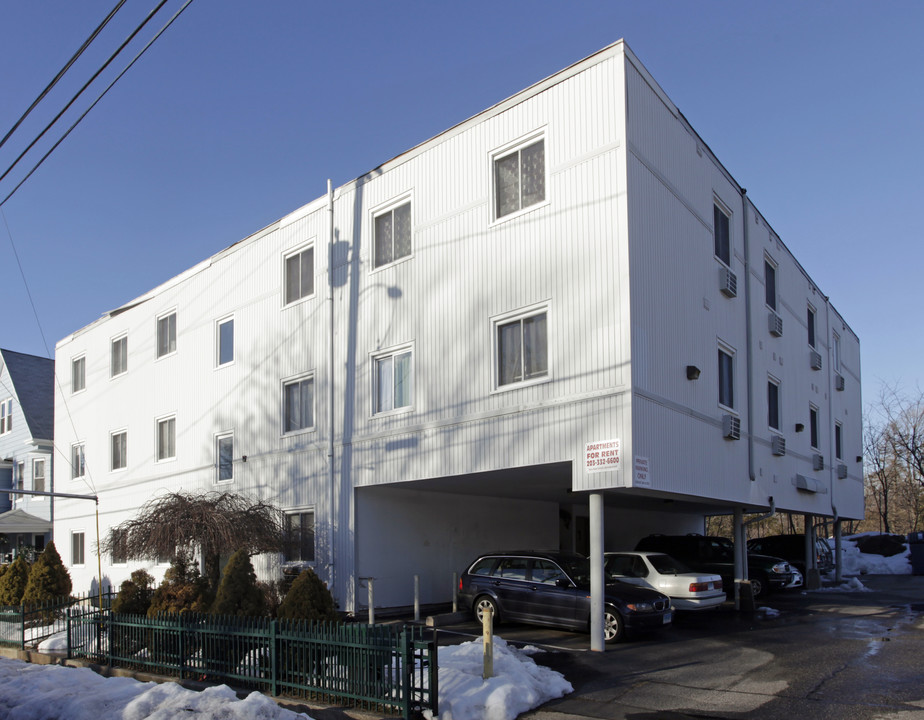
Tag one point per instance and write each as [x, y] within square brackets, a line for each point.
[781, 568]
[640, 607]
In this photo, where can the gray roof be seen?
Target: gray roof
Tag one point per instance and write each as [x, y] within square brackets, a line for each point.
[33, 380]
[19, 521]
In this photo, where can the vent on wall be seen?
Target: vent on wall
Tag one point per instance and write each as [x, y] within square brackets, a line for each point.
[731, 427]
[775, 323]
[838, 381]
[728, 282]
[818, 462]
[778, 445]
[842, 471]
[815, 360]
[806, 484]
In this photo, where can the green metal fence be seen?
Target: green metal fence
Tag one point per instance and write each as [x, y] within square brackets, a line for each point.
[26, 626]
[381, 667]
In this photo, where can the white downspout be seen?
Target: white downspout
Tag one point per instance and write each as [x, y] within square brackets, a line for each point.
[330, 388]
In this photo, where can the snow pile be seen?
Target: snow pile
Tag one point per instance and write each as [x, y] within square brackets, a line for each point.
[518, 685]
[851, 584]
[856, 562]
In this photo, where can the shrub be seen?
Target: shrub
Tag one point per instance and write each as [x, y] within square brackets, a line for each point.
[182, 590]
[308, 599]
[238, 593]
[135, 594]
[13, 582]
[48, 578]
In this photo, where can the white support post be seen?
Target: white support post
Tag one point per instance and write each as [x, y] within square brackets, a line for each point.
[487, 634]
[597, 638]
[417, 598]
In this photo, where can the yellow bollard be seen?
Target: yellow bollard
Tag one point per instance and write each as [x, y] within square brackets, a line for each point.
[487, 625]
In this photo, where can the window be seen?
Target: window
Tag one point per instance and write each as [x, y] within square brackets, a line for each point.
[770, 284]
[119, 550]
[78, 374]
[38, 475]
[78, 461]
[810, 324]
[720, 234]
[119, 442]
[6, 416]
[224, 341]
[77, 548]
[519, 179]
[224, 450]
[20, 480]
[166, 438]
[166, 334]
[393, 381]
[299, 545]
[299, 270]
[773, 404]
[813, 426]
[726, 379]
[392, 235]
[836, 351]
[522, 349]
[298, 405]
[837, 440]
[118, 363]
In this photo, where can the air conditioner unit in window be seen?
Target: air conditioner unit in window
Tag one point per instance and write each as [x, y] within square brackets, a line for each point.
[818, 462]
[731, 427]
[842, 471]
[815, 360]
[838, 381]
[775, 323]
[728, 282]
[778, 445]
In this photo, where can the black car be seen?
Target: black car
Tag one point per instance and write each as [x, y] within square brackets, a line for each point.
[705, 553]
[792, 549]
[553, 588]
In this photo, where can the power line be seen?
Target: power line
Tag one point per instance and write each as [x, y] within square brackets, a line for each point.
[67, 66]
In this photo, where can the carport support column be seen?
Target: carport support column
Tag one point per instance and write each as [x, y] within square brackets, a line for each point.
[738, 534]
[597, 641]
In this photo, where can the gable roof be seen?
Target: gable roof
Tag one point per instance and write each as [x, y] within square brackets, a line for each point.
[19, 521]
[33, 381]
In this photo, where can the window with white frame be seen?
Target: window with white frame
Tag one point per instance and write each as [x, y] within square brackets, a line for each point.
[720, 232]
[838, 429]
[298, 404]
[224, 457]
[299, 537]
[299, 274]
[118, 362]
[813, 426]
[78, 374]
[119, 444]
[166, 334]
[20, 479]
[224, 341]
[810, 325]
[392, 228]
[77, 548]
[393, 380]
[522, 348]
[519, 177]
[773, 404]
[6, 416]
[727, 378]
[166, 438]
[78, 461]
[38, 474]
[770, 284]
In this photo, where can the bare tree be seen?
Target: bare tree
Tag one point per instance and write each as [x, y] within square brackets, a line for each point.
[905, 421]
[215, 524]
[881, 476]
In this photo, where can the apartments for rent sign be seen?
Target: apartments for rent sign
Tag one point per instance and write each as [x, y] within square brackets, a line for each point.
[601, 456]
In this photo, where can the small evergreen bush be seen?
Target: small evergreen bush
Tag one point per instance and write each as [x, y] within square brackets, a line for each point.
[135, 594]
[182, 590]
[238, 593]
[48, 578]
[308, 599]
[13, 582]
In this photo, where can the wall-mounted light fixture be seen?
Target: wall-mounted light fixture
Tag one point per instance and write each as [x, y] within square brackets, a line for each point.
[692, 372]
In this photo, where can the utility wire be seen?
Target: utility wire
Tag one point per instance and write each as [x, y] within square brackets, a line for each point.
[80, 92]
[67, 66]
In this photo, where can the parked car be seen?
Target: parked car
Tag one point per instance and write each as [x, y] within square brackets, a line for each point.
[553, 588]
[687, 590]
[792, 549]
[705, 553]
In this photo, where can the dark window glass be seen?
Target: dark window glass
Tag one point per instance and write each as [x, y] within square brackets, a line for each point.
[522, 350]
[299, 275]
[770, 284]
[726, 380]
[773, 405]
[813, 426]
[810, 323]
[519, 179]
[720, 232]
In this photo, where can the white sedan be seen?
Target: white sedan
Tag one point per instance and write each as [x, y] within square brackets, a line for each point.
[688, 590]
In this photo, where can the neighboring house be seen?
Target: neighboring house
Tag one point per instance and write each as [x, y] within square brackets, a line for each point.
[561, 318]
[26, 437]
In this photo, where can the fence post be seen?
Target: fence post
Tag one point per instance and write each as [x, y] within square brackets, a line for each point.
[487, 624]
[182, 645]
[417, 598]
[274, 652]
[406, 669]
[109, 629]
[22, 627]
[68, 627]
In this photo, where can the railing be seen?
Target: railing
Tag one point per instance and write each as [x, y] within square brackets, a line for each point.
[26, 626]
[379, 667]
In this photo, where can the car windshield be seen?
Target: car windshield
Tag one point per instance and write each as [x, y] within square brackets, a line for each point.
[577, 568]
[666, 565]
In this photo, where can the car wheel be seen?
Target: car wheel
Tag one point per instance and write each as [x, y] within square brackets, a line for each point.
[613, 628]
[481, 607]
[758, 586]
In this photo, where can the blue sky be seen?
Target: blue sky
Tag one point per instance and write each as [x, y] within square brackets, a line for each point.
[242, 110]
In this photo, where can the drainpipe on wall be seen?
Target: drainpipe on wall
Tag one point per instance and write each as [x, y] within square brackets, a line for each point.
[330, 387]
[749, 371]
[831, 469]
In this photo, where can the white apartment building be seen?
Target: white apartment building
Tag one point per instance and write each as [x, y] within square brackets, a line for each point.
[560, 319]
